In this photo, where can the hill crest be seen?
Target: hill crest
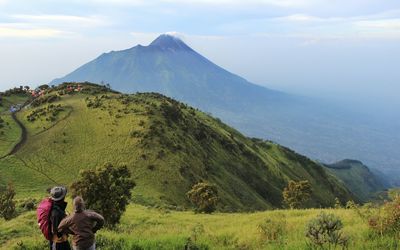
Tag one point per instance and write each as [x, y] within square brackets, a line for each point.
[167, 145]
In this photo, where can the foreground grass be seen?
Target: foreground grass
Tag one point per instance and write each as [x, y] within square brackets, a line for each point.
[149, 228]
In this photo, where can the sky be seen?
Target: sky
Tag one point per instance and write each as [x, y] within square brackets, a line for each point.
[347, 51]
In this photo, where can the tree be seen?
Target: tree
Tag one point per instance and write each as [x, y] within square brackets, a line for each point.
[7, 203]
[106, 190]
[296, 193]
[43, 87]
[204, 197]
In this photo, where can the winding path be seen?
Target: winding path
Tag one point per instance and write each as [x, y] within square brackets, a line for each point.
[22, 139]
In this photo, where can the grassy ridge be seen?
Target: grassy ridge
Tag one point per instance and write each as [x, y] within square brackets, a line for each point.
[167, 145]
[144, 228]
[357, 177]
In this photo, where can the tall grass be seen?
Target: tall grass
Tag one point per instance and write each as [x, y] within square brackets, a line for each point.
[150, 228]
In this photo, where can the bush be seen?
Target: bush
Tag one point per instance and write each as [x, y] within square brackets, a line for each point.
[273, 230]
[7, 203]
[204, 197]
[106, 190]
[296, 193]
[171, 112]
[386, 220]
[325, 232]
[28, 204]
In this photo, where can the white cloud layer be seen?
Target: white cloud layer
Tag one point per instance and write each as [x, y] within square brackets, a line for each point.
[386, 24]
[9, 32]
[226, 3]
[92, 21]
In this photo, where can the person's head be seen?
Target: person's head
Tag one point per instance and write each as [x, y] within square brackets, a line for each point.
[57, 194]
[79, 204]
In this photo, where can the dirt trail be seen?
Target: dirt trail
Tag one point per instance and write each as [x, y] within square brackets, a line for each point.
[23, 137]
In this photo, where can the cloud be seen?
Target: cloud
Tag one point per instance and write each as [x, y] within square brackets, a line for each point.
[313, 29]
[47, 26]
[116, 2]
[9, 32]
[283, 3]
[300, 17]
[226, 3]
[91, 21]
[386, 24]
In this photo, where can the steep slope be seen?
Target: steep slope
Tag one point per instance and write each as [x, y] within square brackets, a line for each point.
[167, 145]
[358, 178]
[311, 127]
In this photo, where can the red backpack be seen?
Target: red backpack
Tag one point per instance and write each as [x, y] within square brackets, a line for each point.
[43, 217]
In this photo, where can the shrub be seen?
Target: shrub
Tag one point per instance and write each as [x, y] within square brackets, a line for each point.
[324, 231]
[28, 204]
[338, 204]
[386, 220]
[44, 99]
[7, 203]
[351, 205]
[192, 242]
[273, 229]
[171, 112]
[393, 193]
[204, 197]
[106, 190]
[296, 193]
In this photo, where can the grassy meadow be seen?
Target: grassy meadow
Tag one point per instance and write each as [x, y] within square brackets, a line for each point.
[151, 228]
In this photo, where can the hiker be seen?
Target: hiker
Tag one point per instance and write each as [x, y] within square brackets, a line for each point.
[83, 224]
[59, 241]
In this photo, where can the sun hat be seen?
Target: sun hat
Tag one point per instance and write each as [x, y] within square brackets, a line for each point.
[58, 193]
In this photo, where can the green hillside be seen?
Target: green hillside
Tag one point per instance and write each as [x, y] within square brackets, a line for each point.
[167, 145]
[9, 130]
[358, 178]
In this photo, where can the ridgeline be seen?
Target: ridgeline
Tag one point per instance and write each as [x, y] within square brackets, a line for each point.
[167, 145]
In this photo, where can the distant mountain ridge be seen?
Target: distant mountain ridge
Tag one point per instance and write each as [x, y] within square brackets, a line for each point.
[361, 181]
[311, 127]
[170, 67]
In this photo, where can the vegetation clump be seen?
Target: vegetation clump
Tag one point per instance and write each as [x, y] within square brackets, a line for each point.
[273, 229]
[296, 193]
[204, 197]
[325, 232]
[50, 112]
[15, 91]
[7, 203]
[1, 123]
[27, 204]
[94, 102]
[386, 220]
[106, 190]
[44, 99]
[171, 112]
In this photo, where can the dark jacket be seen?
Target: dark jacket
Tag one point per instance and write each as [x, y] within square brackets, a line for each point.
[83, 225]
[56, 216]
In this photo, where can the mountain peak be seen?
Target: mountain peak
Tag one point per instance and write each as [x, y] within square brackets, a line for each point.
[169, 41]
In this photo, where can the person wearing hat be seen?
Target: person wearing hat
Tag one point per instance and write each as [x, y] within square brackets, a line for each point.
[60, 240]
